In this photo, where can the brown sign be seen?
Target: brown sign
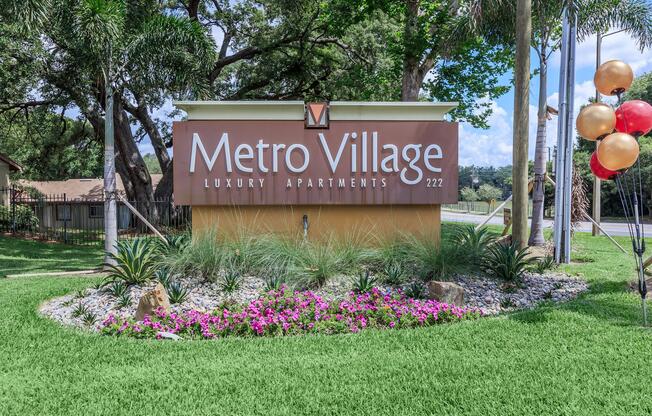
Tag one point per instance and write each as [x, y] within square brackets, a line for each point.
[257, 162]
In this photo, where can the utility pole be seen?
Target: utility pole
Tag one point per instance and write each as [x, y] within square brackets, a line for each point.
[110, 209]
[521, 121]
[565, 138]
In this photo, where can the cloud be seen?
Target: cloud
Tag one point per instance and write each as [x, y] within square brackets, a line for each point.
[617, 46]
[494, 146]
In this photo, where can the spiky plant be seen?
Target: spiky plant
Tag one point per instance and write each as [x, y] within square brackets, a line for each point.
[117, 288]
[506, 262]
[393, 273]
[231, 280]
[363, 282]
[176, 292]
[123, 301]
[415, 290]
[134, 263]
[473, 243]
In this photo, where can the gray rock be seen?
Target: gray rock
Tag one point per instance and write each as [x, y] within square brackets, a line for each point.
[447, 292]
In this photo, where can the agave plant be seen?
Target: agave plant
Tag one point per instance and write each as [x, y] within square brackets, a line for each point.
[163, 276]
[506, 262]
[118, 288]
[274, 281]
[474, 243]
[231, 280]
[134, 263]
[174, 243]
[544, 264]
[364, 282]
[393, 273]
[123, 301]
[415, 290]
[176, 292]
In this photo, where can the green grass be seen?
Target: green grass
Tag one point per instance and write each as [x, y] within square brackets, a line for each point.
[586, 357]
[28, 256]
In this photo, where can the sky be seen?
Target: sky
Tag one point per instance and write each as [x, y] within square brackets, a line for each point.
[475, 143]
[493, 146]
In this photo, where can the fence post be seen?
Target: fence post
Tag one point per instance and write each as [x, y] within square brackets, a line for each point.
[12, 197]
[65, 219]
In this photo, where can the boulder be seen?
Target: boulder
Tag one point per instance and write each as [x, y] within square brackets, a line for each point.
[447, 292]
[152, 300]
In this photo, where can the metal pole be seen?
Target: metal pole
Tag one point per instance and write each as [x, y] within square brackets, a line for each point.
[561, 134]
[596, 181]
[110, 209]
[570, 138]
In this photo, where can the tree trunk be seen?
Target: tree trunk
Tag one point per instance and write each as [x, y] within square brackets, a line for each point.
[521, 108]
[412, 78]
[538, 191]
[133, 171]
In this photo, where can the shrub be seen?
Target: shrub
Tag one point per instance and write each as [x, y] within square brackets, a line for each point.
[135, 262]
[273, 281]
[506, 262]
[124, 301]
[89, 318]
[163, 276]
[80, 310]
[173, 244]
[231, 280]
[473, 243]
[393, 273]
[278, 313]
[544, 264]
[21, 215]
[432, 260]
[416, 290]
[317, 263]
[203, 257]
[176, 292]
[354, 251]
[118, 288]
[364, 282]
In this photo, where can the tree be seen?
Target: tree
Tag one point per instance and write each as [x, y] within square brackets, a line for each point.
[468, 195]
[521, 110]
[489, 194]
[440, 50]
[50, 146]
[594, 16]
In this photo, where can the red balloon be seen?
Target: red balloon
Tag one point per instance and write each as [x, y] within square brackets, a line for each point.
[634, 118]
[599, 170]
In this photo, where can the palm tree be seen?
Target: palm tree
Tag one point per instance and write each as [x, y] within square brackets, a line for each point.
[594, 16]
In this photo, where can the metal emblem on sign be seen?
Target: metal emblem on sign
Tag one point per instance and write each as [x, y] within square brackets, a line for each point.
[316, 115]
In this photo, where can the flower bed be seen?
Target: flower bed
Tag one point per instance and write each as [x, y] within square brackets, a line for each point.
[279, 313]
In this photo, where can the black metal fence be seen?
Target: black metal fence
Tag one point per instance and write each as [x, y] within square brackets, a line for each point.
[75, 221]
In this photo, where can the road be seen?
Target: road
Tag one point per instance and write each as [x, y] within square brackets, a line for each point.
[613, 228]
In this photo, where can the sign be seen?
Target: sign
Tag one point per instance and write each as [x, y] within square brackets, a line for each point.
[288, 162]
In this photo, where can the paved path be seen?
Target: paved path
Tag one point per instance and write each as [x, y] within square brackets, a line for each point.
[613, 228]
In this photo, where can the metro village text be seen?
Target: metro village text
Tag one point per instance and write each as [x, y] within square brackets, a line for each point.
[363, 150]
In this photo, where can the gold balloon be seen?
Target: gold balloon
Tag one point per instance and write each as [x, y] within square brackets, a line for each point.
[613, 77]
[595, 120]
[618, 151]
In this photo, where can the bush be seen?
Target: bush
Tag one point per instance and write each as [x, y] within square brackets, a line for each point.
[544, 264]
[393, 273]
[506, 262]
[205, 257]
[23, 215]
[434, 261]
[176, 292]
[317, 263]
[473, 243]
[135, 262]
[364, 282]
[278, 313]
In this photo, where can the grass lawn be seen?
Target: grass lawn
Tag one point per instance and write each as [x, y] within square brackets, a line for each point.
[586, 357]
[26, 256]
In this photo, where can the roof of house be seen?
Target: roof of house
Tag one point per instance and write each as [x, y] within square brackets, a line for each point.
[79, 189]
[13, 165]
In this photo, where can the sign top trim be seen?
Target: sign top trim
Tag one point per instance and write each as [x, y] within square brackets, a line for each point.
[295, 110]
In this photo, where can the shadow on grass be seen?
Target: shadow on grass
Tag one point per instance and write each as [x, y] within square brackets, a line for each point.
[609, 302]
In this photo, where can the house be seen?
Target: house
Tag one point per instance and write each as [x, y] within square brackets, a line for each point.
[74, 203]
[7, 166]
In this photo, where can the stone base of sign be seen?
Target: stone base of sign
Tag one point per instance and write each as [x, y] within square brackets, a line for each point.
[369, 221]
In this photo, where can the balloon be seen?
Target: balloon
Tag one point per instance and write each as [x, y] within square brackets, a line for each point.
[613, 77]
[618, 151]
[634, 117]
[599, 170]
[595, 120]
